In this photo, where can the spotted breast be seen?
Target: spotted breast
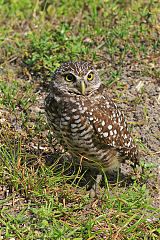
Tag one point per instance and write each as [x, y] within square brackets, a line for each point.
[92, 128]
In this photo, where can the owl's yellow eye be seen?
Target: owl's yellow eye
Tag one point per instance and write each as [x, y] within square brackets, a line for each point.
[69, 77]
[90, 76]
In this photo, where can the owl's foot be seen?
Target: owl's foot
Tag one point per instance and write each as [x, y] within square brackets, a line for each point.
[96, 186]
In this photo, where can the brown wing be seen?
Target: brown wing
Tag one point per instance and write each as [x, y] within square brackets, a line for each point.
[111, 128]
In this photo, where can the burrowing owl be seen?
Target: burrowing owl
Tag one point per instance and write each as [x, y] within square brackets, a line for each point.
[85, 120]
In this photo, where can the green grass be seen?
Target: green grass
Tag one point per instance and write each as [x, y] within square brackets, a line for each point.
[41, 200]
[44, 206]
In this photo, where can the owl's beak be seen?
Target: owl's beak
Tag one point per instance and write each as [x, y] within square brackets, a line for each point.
[83, 88]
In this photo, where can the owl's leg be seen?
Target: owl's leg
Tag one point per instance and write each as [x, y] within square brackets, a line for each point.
[95, 187]
[138, 169]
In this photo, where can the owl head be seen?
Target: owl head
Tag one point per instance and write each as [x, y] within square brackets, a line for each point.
[76, 77]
